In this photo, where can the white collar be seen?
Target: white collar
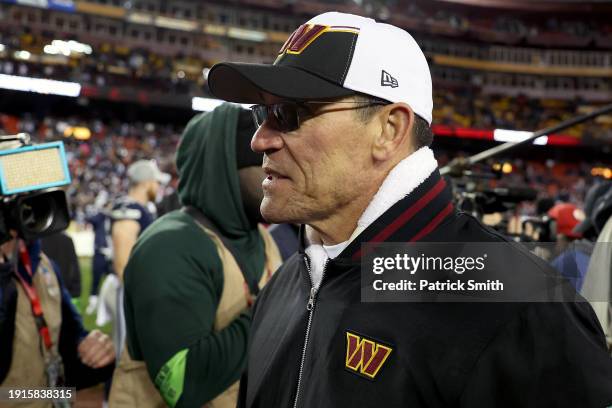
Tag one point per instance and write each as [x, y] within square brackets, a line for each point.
[407, 175]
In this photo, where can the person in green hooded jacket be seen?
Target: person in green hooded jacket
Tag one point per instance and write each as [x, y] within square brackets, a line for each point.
[189, 280]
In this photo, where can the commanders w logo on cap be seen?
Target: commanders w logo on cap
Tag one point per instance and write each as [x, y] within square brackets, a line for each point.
[334, 55]
[365, 357]
[307, 33]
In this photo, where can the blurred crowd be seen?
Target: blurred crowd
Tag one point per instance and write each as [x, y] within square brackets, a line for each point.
[506, 28]
[457, 21]
[98, 162]
[108, 65]
[98, 165]
[112, 65]
[516, 26]
[469, 109]
[123, 65]
[551, 179]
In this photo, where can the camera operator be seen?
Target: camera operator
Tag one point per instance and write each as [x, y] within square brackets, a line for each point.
[42, 339]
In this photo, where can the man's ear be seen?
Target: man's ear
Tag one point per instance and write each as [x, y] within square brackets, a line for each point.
[397, 121]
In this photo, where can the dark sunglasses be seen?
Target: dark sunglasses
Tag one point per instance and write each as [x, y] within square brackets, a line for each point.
[287, 116]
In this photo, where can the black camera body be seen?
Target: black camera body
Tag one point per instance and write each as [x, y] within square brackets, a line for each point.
[31, 176]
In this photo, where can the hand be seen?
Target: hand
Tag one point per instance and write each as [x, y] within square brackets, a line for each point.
[96, 350]
[6, 253]
[7, 248]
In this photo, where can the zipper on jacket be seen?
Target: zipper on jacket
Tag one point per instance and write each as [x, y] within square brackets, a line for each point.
[310, 307]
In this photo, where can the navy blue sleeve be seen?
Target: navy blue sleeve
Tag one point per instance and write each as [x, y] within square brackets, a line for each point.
[132, 211]
[71, 334]
[8, 307]
[92, 219]
[70, 316]
[572, 264]
[286, 238]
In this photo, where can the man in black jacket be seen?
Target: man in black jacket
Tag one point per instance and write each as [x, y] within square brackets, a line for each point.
[344, 120]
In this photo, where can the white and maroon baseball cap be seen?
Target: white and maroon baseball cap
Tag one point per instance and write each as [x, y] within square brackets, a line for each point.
[334, 55]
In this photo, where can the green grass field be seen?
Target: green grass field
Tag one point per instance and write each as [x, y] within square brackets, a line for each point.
[89, 321]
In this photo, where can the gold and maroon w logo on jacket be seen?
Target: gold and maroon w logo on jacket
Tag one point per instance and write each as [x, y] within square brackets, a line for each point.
[364, 356]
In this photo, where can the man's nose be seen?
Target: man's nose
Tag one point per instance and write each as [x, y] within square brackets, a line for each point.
[266, 139]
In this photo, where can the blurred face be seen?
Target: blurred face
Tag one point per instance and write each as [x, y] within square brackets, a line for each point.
[315, 170]
[250, 179]
[7, 248]
[153, 190]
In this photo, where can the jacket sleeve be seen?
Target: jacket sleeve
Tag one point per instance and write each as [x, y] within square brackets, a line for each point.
[242, 391]
[72, 333]
[73, 276]
[8, 308]
[520, 367]
[171, 299]
[244, 378]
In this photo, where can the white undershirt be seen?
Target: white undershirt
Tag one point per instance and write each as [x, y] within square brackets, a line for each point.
[401, 181]
[334, 250]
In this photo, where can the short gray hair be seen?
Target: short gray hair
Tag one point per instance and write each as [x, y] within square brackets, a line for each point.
[423, 135]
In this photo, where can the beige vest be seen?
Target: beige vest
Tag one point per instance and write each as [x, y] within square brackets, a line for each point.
[28, 363]
[132, 386]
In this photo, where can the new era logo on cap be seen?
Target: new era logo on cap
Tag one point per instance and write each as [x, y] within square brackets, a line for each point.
[387, 80]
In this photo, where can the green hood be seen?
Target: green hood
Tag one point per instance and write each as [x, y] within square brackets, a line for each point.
[208, 180]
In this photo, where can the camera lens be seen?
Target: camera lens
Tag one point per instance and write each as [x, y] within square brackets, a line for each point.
[36, 215]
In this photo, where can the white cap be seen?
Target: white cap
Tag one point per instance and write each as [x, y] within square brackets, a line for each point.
[333, 55]
[387, 63]
[146, 170]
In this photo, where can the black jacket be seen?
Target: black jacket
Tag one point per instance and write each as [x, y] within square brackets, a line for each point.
[60, 248]
[433, 354]
[71, 333]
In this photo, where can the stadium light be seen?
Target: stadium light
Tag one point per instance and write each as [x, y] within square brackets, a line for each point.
[38, 85]
[67, 47]
[204, 104]
[79, 47]
[604, 172]
[22, 55]
[505, 135]
[249, 35]
[53, 50]
[77, 132]
[207, 104]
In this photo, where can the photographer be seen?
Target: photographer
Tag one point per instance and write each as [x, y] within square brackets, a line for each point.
[42, 339]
